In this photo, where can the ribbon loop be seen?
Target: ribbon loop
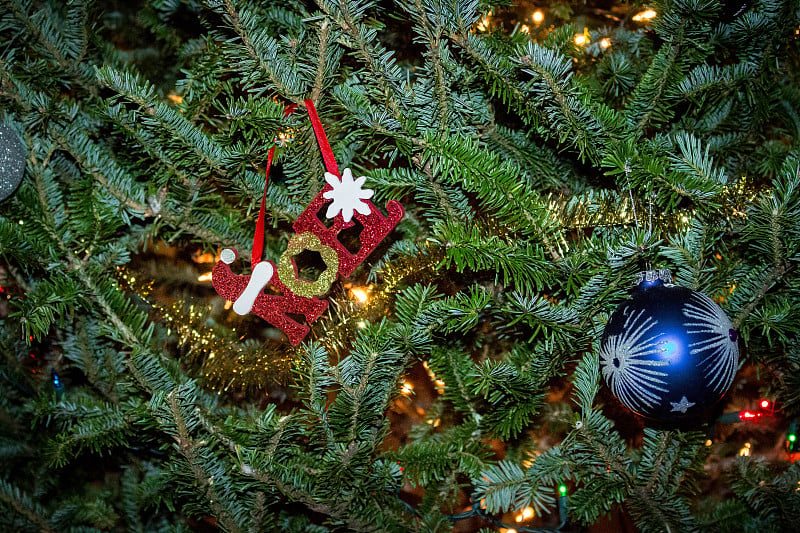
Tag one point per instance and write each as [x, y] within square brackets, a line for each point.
[322, 140]
[330, 166]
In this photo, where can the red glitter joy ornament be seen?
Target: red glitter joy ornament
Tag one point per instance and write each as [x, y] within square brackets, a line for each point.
[346, 203]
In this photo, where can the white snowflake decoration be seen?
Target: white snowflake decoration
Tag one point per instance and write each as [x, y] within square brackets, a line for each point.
[347, 195]
[633, 382]
[722, 351]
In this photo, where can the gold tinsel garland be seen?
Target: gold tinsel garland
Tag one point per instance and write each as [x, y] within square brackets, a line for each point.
[227, 361]
[366, 304]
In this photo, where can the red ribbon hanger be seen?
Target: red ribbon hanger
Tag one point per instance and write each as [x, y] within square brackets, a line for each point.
[330, 166]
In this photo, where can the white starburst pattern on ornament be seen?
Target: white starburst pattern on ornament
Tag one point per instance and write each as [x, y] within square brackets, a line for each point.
[347, 195]
[633, 382]
[681, 406]
[718, 342]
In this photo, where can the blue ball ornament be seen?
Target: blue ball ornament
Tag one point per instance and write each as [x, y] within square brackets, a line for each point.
[669, 353]
[12, 160]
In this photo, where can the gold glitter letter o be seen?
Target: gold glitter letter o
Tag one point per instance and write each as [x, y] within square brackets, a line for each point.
[288, 274]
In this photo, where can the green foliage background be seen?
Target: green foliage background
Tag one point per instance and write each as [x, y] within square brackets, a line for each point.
[538, 177]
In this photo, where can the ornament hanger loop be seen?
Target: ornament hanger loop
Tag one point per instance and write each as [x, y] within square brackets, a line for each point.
[330, 166]
[650, 276]
[630, 190]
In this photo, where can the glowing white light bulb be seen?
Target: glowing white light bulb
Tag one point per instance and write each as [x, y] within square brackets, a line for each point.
[647, 14]
[359, 294]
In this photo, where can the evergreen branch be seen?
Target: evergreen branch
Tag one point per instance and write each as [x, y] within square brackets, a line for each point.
[358, 395]
[434, 38]
[659, 454]
[541, 166]
[433, 460]
[575, 121]
[653, 510]
[689, 252]
[460, 160]
[187, 447]
[20, 502]
[104, 170]
[120, 117]
[773, 229]
[262, 50]
[10, 87]
[19, 11]
[503, 486]
[115, 181]
[727, 516]
[319, 80]
[367, 379]
[646, 100]
[498, 74]
[704, 78]
[290, 492]
[49, 37]
[132, 88]
[462, 389]
[382, 67]
[76, 266]
[443, 198]
[79, 18]
[107, 428]
[698, 163]
[86, 353]
[478, 248]
[766, 283]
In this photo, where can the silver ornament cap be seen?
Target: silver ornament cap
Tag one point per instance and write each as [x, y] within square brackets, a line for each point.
[12, 160]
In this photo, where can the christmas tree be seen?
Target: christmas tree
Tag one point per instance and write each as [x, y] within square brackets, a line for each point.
[448, 365]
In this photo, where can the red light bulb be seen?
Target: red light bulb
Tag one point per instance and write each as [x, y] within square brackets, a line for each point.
[744, 416]
[764, 404]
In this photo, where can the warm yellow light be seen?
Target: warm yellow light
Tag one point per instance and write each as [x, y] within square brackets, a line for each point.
[199, 257]
[709, 442]
[580, 39]
[204, 277]
[524, 29]
[360, 294]
[361, 324]
[525, 514]
[175, 98]
[228, 304]
[745, 452]
[537, 16]
[406, 389]
[485, 22]
[647, 14]
[284, 137]
[605, 42]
